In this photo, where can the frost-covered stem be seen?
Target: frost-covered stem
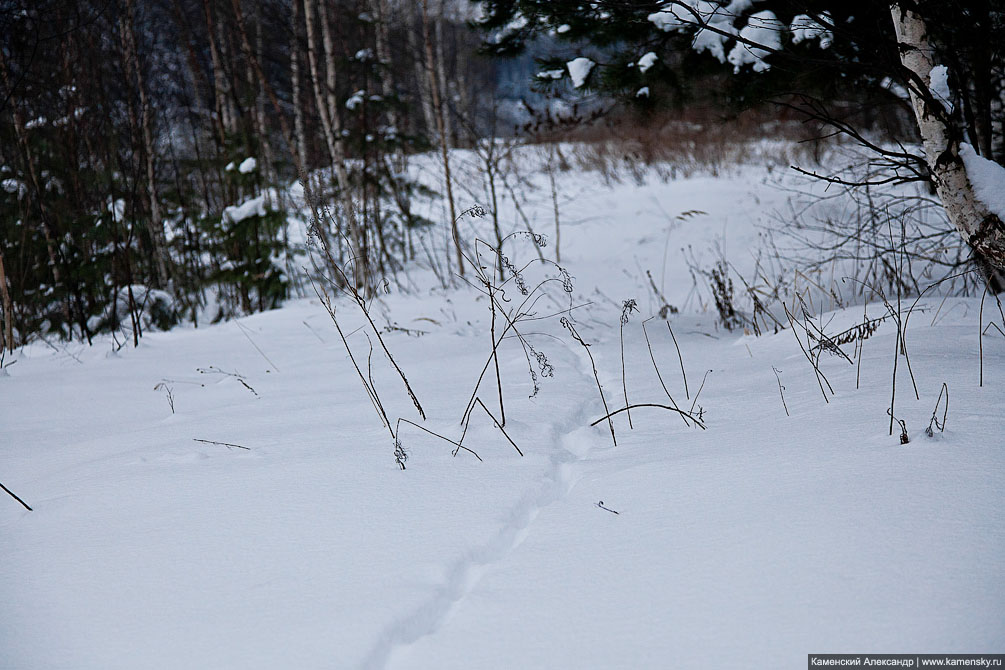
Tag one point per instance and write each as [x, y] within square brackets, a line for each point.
[981, 228]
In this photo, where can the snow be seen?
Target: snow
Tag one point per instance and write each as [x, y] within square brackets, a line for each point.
[564, 28]
[940, 86]
[642, 92]
[247, 165]
[551, 74]
[805, 28]
[762, 28]
[987, 178]
[579, 70]
[763, 537]
[688, 14]
[355, 100]
[117, 208]
[247, 209]
[647, 61]
[895, 88]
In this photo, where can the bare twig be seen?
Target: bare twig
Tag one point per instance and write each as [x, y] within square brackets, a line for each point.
[650, 404]
[681, 359]
[239, 377]
[567, 324]
[601, 505]
[980, 337]
[14, 496]
[935, 413]
[498, 425]
[781, 389]
[459, 446]
[245, 330]
[696, 395]
[657, 368]
[904, 439]
[223, 444]
[325, 299]
[627, 307]
[313, 331]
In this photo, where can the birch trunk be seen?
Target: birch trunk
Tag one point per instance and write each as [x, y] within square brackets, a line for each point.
[421, 80]
[268, 167]
[155, 225]
[383, 39]
[442, 82]
[298, 112]
[221, 98]
[441, 130]
[357, 231]
[981, 228]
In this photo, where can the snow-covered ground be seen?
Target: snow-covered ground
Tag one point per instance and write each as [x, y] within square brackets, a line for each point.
[748, 544]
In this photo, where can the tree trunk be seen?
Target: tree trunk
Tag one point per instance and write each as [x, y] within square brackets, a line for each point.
[443, 84]
[8, 310]
[225, 115]
[48, 231]
[357, 231]
[155, 225]
[981, 228]
[441, 130]
[421, 80]
[298, 112]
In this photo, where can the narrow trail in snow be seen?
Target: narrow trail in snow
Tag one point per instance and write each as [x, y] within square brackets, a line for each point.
[554, 484]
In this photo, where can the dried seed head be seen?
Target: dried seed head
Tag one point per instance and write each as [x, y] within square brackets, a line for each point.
[627, 307]
[566, 279]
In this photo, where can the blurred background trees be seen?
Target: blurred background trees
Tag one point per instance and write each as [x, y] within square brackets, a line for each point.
[157, 156]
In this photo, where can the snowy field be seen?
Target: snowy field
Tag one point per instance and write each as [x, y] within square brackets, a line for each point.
[747, 544]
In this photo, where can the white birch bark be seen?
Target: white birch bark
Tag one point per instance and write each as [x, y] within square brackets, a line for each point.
[981, 228]
[156, 224]
[298, 112]
[434, 90]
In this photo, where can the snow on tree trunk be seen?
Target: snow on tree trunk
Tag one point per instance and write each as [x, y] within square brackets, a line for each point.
[980, 227]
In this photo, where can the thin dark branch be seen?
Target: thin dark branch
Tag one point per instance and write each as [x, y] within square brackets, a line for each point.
[15, 497]
[223, 444]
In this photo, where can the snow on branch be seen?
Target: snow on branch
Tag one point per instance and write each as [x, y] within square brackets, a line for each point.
[579, 70]
[246, 210]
